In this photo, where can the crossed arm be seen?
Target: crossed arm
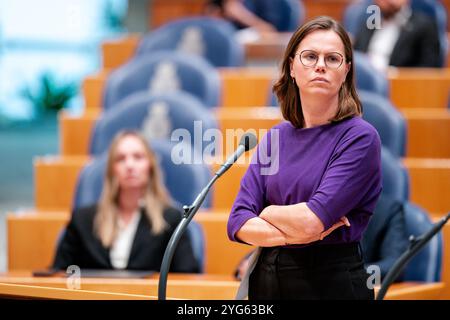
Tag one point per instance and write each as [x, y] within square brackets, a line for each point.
[282, 225]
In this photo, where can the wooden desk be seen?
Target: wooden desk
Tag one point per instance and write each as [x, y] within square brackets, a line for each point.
[419, 87]
[18, 291]
[186, 286]
[32, 239]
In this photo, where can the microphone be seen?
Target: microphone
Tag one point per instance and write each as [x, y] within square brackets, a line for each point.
[248, 141]
[416, 244]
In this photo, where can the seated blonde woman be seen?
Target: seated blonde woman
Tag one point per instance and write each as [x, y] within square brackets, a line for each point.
[132, 223]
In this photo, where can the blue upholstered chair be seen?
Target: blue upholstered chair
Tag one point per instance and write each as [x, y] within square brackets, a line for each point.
[285, 15]
[395, 176]
[367, 77]
[427, 263]
[209, 37]
[388, 121]
[156, 116]
[164, 71]
[184, 182]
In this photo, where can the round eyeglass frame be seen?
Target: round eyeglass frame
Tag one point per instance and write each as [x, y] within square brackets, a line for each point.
[326, 64]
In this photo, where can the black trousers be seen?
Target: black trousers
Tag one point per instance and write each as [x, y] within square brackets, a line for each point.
[314, 272]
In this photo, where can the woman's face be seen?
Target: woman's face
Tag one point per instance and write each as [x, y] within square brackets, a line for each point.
[131, 164]
[325, 76]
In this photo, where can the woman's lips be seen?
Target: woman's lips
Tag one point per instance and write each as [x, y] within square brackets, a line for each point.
[320, 79]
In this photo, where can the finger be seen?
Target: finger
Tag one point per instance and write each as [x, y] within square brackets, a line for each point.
[345, 221]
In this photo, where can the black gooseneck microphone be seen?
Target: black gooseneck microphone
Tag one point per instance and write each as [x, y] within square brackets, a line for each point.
[248, 141]
[416, 243]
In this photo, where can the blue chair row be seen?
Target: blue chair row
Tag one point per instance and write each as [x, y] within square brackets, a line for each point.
[211, 38]
[284, 15]
[164, 71]
[156, 116]
[427, 264]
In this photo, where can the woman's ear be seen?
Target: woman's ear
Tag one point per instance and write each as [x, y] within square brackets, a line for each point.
[291, 69]
[347, 68]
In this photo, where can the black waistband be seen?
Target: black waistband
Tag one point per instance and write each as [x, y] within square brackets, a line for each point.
[311, 254]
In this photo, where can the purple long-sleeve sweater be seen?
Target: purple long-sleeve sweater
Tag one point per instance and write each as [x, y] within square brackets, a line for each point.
[335, 168]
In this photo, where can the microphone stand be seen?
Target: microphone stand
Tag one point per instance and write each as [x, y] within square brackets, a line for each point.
[189, 212]
[416, 244]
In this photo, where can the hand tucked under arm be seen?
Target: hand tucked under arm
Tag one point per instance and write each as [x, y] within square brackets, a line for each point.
[298, 223]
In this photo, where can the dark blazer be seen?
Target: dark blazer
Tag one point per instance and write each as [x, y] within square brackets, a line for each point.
[79, 245]
[385, 238]
[417, 46]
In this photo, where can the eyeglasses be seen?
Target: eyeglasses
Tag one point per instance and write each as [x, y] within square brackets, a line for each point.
[309, 58]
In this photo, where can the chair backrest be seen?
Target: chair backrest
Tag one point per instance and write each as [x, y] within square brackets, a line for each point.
[211, 38]
[436, 10]
[389, 122]
[356, 13]
[394, 176]
[285, 15]
[156, 116]
[197, 237]
[183, 181]
[426, 265]
[367, 77]
[164, 71]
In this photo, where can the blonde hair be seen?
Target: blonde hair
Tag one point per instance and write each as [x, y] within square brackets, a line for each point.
[287, 91]
[156, 197]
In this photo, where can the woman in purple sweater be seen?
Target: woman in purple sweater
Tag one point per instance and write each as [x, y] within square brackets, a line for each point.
[309, 204]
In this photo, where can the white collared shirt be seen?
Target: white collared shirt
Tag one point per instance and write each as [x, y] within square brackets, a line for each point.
[121, 248]
[383, 40]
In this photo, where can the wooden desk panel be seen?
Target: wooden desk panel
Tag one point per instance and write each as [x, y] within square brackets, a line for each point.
[419, 87]
[17, 291]
[32, 238]
[429, 183]
[211, 285]
[75, 132]
[118, 51]
[428, 132]
[55, 180]
[92, 88]
[164, 11]
[179, 286]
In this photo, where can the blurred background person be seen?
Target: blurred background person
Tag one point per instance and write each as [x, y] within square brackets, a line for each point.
[237, 12]
[131, 225]
[405, 38]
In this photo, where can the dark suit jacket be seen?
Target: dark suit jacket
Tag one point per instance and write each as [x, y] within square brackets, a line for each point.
[385, 238]
[417, 46]
[79, 245]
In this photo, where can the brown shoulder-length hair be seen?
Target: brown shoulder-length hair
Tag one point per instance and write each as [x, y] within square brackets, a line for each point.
[287, 91]
[156, 197]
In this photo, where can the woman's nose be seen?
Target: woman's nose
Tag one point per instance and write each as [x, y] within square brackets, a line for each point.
[320, 63]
